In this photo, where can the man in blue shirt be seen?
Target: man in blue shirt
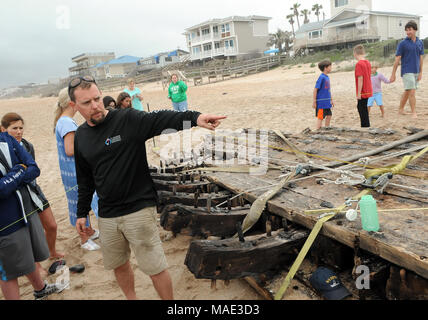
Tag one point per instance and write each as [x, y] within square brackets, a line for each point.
[410, 52]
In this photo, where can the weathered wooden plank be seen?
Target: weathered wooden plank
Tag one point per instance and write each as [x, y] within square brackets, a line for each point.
[200, 222]
[200, 200]
[405, 285]
[175, 186]
[233, 259]
[390, 246]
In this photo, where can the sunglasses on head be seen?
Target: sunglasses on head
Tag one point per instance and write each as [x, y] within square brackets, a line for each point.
[77, 81]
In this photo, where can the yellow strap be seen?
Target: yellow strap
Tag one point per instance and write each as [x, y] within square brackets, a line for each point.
[395, 169]
[309, 241]
[301, 256]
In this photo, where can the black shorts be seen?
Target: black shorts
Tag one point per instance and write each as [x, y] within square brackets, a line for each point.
[322, 113]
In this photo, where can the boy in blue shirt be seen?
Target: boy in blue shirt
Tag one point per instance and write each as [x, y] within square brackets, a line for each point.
[322, 95]
[410, 52]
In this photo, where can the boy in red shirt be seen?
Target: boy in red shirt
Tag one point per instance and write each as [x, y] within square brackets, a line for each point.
[363, 83]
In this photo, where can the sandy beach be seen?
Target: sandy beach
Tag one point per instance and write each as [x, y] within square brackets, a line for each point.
[277, 99]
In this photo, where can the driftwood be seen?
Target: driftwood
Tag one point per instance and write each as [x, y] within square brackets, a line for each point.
[233, 259]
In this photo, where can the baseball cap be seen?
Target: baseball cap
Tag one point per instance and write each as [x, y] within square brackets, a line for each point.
[328, 284]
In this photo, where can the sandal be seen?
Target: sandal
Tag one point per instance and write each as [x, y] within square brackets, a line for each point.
[78, 268]
[56, 266]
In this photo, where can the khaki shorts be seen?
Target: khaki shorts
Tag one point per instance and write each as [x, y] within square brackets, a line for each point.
[137, 230]
[410, 81]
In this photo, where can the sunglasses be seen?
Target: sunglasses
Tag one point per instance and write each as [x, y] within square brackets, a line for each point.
[77, 81]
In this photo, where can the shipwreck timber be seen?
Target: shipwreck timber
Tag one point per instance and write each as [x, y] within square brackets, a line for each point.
[333, 172]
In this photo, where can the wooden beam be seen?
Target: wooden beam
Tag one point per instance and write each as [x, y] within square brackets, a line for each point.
[368, 242]
[233, 259]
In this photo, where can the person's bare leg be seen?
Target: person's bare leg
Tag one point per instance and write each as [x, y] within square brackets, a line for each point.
[10, 289]
[403, 102]
[50, 226]
[327, 121]
[319, 123]
[36, 280]
[412, 100]
[163, 285]
[125, 279]
[383, 111]
[42, 271]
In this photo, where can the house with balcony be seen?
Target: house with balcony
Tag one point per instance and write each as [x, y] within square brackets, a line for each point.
[352, 22]
[231, 37]
[85, 61]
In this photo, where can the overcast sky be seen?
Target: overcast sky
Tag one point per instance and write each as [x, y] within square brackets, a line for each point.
[39, 38]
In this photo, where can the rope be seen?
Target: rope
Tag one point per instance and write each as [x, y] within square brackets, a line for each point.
[309, 241]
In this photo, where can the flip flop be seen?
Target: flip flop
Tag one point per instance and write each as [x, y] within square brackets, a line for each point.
[55, 266]
[78, 268]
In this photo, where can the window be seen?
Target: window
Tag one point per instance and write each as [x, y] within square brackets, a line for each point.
[340, 3]
[193, 35]
[217, 45]
[229, 44]
[196, 50]
[315, 34]
[215, 29]
[225, 28]
[205, 31]
[207, 47]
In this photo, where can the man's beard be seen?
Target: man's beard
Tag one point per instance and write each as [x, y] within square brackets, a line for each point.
[99, 121]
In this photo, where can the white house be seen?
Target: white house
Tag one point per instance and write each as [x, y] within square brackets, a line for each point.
[229, 37]
[352, 22]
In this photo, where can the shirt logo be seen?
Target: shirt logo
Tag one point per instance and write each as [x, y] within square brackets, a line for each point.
[110, 141]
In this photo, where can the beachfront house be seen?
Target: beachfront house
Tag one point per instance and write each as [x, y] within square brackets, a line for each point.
[115, 68]
[230, 37]
[352, 22]
[85, 61]
[161, 60]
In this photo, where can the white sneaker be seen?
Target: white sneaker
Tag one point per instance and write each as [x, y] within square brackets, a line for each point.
[90, 245]
[96, 235]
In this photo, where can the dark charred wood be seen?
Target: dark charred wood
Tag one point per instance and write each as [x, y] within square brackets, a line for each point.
[406, 285]
[186, 188]
[201, 222]
[189, 199]
[232, 259]
[325, 251]
[170, 176]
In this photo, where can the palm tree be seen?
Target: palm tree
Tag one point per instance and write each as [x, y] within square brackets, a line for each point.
[277, 39]
[317, 9]
[290, 18]
[305, 13]
[295, 10]
[287, 38]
